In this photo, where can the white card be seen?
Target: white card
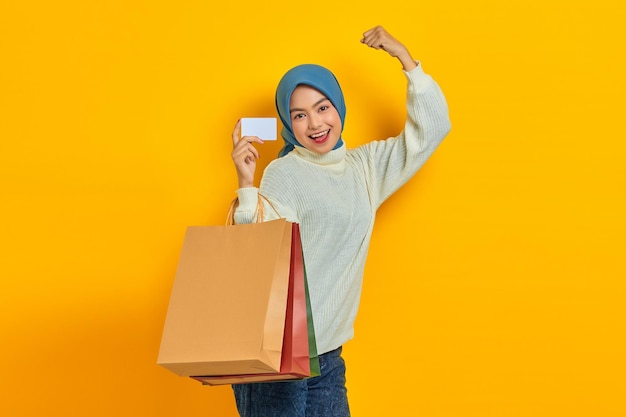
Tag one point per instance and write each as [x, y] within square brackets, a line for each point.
[263, 127]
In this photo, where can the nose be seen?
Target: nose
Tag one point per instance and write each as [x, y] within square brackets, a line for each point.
[315, 121]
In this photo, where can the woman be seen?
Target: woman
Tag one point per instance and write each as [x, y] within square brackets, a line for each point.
[333, 193]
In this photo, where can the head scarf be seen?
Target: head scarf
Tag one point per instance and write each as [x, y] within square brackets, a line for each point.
[314, 76]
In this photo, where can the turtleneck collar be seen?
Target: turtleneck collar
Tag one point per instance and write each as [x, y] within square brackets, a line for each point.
[336, 156]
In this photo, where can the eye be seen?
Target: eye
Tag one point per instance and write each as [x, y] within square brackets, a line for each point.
[298, 116]
[324, 107]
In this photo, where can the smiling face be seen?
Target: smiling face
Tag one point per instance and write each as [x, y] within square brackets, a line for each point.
[315, 122]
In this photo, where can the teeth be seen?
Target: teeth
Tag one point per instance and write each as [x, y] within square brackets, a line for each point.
[319, 135]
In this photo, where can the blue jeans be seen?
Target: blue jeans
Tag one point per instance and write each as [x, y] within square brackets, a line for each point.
[320, 396]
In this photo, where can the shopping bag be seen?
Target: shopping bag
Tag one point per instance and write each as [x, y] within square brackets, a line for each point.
[299, 353]
[233, 316]
[227, 307]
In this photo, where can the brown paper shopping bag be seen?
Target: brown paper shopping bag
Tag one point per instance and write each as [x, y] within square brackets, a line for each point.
[227, 307]
[295, 360]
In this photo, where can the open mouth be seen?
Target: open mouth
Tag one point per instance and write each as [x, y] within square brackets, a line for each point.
[320, 137]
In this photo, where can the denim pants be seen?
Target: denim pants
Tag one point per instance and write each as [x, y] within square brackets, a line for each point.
[320, 396]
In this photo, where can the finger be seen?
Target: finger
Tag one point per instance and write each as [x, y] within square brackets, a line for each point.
[366, 34]
[246, 141]
[251, 139]
[236, 132]
[253, 153]
[372, 31]
[374, 36]
[249, 159]
[374, 41]
[243, 151]
[367, 38]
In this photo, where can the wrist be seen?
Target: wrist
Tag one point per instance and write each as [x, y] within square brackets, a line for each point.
[407, 61]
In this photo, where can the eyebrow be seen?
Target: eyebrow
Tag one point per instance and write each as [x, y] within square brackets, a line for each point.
[323, 99]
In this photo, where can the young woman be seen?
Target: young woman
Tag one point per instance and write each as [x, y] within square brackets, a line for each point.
[333, 193]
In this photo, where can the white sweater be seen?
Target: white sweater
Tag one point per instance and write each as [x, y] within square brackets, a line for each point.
[334, 198]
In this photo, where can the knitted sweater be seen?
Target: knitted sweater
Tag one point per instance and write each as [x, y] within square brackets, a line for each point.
[334, 198]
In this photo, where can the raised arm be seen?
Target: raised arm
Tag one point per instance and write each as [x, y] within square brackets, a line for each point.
[391, 163]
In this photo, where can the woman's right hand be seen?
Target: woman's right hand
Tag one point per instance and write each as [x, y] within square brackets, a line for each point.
[244, 156]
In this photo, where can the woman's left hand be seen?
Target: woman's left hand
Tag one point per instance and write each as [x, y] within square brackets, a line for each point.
[379, 38]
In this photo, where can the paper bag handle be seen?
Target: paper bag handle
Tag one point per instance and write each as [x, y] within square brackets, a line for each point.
[230, 217]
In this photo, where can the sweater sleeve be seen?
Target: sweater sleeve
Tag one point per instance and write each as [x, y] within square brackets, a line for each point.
[247, 210]
[391, 163]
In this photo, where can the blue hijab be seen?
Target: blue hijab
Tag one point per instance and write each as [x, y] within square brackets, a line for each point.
[314, 76]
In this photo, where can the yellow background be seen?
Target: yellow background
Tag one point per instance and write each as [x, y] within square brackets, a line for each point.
[495, 282]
